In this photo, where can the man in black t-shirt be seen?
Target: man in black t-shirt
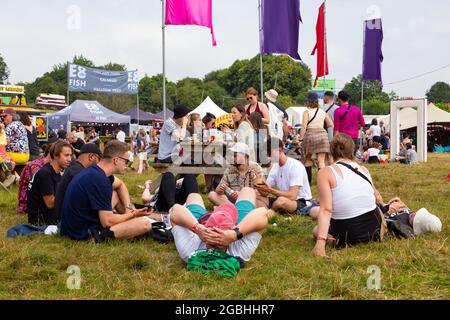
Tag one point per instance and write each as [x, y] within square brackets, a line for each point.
[42, 187]
[90, 154]
[75, 142]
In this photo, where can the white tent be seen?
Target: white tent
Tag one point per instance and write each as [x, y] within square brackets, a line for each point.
[408, 117]
[295, 115]
[208, 106]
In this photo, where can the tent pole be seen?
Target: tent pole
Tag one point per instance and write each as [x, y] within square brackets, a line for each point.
[137, 106]
[261, 49]
[164, 56]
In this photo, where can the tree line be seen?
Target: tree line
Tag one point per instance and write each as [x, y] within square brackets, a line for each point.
[226, 87]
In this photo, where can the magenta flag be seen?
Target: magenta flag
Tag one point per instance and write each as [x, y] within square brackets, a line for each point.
[190, 12]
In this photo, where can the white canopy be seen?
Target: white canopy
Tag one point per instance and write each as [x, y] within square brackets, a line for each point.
[295, 115]
[408, 117]
[208, 106]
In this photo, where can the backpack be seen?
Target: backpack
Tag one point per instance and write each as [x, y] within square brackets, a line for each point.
[215, 261]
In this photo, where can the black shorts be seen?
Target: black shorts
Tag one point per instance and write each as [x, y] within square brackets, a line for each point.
[373, 159]
[361, 229]
[301, 203]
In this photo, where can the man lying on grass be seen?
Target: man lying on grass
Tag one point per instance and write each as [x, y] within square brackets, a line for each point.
[236, 229]
[87, 207]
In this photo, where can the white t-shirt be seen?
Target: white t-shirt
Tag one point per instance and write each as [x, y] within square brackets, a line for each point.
[375, 131]
[121, 136]
[373, 152]
[276, 121]
[293, 173]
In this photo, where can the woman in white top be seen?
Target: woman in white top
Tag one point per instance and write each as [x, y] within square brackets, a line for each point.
[348, 211]
[374, 131]
[244, 130]
[313, 135]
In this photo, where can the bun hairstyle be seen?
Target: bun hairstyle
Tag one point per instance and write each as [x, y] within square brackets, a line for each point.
[342, 147]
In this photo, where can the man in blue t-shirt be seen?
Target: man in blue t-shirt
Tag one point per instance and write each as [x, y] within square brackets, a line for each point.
[87, 207]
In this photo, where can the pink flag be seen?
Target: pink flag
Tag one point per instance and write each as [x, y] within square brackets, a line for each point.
[190, 12]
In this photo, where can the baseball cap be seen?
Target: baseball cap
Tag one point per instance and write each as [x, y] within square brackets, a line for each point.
[240, 147]
[223, 217]
[312, 97]
[90, 148]
[180, 112]
[424, 222]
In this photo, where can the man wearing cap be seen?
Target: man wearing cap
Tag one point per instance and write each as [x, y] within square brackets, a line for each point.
[173, 132]
[90, 154]
[278, 116]
[236, 229]
[242, 173]
[16, 132]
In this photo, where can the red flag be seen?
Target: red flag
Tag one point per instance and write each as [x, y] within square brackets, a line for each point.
[321, 45]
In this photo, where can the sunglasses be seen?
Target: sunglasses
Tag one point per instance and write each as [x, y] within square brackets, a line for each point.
[127, 161]
[249, 98]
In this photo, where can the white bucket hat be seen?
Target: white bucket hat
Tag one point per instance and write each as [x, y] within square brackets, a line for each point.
[424, 222]
[240, 147]
[272, 95]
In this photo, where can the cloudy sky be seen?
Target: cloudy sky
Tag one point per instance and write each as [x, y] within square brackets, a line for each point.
[416, 37]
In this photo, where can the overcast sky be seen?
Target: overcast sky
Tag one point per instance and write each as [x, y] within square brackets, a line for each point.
[36, 36]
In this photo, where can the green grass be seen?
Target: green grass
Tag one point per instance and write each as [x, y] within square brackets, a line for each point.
[282, 267]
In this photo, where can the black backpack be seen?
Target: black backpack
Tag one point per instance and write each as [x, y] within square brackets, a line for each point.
[161, 233]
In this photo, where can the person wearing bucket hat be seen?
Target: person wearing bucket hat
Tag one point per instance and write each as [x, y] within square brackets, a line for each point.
[278, 116]
[242, 173]
[90, 154]
[173, 131]
[234, 228]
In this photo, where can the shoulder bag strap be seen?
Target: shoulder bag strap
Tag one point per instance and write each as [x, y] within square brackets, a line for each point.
[312, 119]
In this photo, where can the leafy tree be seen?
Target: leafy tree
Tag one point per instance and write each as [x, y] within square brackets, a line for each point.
[372, 90]
[439, 93]
[376, 107]
[4, 71]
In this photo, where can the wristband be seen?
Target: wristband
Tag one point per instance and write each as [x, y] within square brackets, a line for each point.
[322, 239]
[195, 226]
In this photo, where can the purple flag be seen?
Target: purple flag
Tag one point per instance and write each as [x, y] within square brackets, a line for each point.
[373, 55]
[280, 27]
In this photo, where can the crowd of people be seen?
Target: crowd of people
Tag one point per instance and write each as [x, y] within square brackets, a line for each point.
[88, 201]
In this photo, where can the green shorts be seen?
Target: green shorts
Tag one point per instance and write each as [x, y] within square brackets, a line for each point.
[243, 207]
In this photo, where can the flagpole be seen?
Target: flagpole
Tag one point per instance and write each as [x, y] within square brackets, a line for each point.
[164, 57]
[362, 75]
[261, 49]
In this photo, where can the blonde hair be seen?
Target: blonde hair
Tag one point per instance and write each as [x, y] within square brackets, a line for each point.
[342, 147]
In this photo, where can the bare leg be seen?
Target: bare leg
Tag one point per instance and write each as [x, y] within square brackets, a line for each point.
[308, 160]
[217, 199]
[132, 228]
[283, 204]
[261, 202]
[255, 221]
[321, 160]
[314, 213]
[117, 204]
[248, 194]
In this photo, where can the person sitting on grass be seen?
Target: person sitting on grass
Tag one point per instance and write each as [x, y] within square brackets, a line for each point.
[373, 153]
[27, 174]
[289, 176]
[243, 226]
[42, 187]
[410, 154]
[348, 212]
[87, 210]
[89, 154]
[171, 191]
[242, 173]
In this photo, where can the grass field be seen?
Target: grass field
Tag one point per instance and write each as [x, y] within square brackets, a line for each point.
[283, 267]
